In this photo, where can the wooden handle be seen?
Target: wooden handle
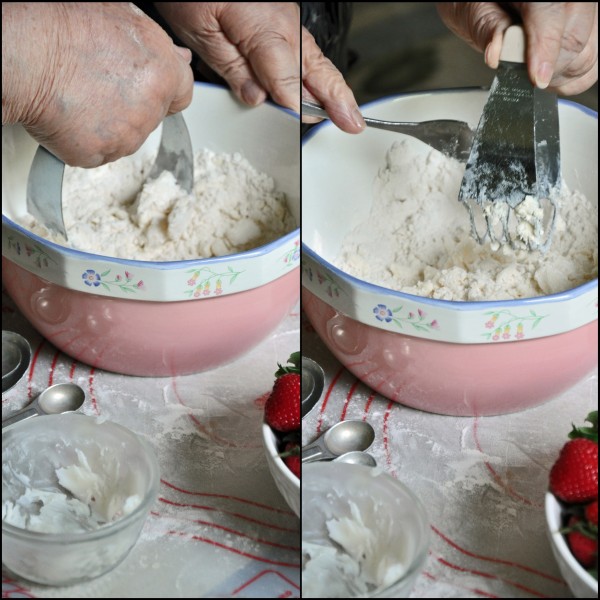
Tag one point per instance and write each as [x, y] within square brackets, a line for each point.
[513, 45]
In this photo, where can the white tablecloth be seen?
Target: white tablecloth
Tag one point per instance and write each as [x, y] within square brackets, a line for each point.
[219, 528]
[482, 480]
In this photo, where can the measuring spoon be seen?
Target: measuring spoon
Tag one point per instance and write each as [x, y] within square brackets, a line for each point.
[59, 398]
[16, 356]
[356, 457]
[313, 380]
[343, 437]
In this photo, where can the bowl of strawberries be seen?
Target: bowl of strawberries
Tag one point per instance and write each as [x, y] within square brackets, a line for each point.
[572, 509]
[281, 431]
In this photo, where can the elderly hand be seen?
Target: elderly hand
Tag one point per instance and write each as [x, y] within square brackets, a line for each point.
[254, 46]
[324, 84]
[89, 81]
[562, 38]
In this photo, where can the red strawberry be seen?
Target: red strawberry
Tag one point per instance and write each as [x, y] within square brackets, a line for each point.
[583, 545]
[282, 409]
[574, 476]
[291, 457]
[591, 513]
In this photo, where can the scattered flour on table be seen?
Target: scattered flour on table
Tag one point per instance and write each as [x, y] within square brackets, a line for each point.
[111, 211]
[417, 239]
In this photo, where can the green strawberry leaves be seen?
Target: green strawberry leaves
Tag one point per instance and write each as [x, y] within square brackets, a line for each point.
[589, 433]
[293, 365]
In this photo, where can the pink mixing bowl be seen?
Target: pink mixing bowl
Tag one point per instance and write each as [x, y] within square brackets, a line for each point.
[447, 357]
[160, 318]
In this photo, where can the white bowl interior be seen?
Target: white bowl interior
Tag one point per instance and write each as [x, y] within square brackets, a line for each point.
[216, 121]
[287, 483]
[338, 170]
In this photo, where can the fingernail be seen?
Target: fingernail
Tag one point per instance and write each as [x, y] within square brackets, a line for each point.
[544, 75]
[357, 118]
[252, 94]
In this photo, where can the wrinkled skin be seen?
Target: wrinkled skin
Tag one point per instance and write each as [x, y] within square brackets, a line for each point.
[91, 81]
[255, 47]
[562, 38]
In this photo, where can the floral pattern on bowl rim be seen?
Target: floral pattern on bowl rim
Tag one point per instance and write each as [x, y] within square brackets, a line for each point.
[152, 281]
[444, 320]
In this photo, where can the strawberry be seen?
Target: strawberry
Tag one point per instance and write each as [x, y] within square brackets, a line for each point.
[574, 476]
[591, 513]
[291, 457]
[282, 409]
[582, 543]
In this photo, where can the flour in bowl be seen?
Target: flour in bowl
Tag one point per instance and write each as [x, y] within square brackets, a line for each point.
[417, 239]
[233, 208]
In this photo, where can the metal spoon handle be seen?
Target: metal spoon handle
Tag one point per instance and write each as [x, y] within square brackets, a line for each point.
[313, 452]
[452, 138]
[26, 413]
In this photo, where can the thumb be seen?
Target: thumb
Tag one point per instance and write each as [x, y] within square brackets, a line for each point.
[480, 24]
[184, 86]
[544, 28]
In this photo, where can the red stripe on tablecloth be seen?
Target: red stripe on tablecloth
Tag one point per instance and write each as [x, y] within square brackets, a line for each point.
[197, 538]
[72, 371]
[368, 405]
[495, 560]
[463, 587]
[36, 355]
[503, 484]
[230, 513]
[234, 531]
[236, 498]
[17, 589]
[490, 576]
[348, 398]
[91, 388]
[261, 574]
[326, 399]
[388, 454]
[52, 367]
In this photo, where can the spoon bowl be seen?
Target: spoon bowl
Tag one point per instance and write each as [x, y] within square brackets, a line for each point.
[16, 356]
[343, 437]
[356, 457]
[313, 380]
[59, 398]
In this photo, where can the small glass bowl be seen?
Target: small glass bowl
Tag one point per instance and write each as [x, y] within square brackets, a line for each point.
[360, 501]
[32, 451]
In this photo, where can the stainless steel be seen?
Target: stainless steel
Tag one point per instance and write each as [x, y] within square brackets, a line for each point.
[452, 138]
[357, 458]
[45, 182]
[59, 398]
[175, 153]
[44, 191]
[16, 357]
[515, 154]
[313, 380]
[343, 437]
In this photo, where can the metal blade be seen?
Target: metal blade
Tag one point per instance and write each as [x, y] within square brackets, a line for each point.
[175, 153]
[502, 163]
[547, 142]
[44, 190]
